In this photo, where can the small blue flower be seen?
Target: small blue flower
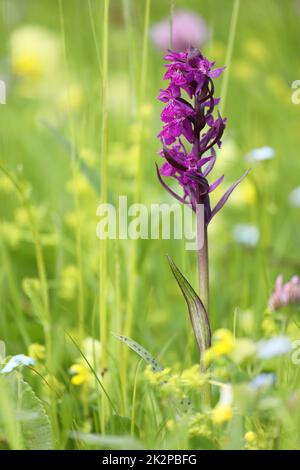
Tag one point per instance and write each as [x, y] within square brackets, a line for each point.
[273, 347]
[294, 197]
[16, 361]
[260, 154]
[246, 234]
[263, 380]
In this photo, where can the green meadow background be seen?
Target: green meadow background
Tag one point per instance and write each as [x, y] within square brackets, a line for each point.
[78, 128]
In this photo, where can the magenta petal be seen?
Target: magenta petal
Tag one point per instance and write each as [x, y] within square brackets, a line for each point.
[172, 161]
[203, 161]
[166, 187]
[225, 196]
[216, 72]
[167, 170]
[164, 96]
[188, 131]
[211, 164]
[216, 184]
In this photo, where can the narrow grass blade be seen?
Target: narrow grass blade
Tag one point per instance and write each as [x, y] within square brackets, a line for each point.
[229, 52]
[94, 373]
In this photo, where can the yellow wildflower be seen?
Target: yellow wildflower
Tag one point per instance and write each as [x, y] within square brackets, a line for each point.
[79, 185]
[6, 186]
[223, 344]
[80, 374]
[223, 410]
[250, 437]
[253, 442]
[223, 341]
[292, 331]
[192, 378]
[246, 322]
[69, 282]
[200, 425]
[35, 51]
[11, 233]
[37, 351]
[170, 424]
[269, 324]
[256, 49]
[157, 378]
[171, 387]
[221, 414]
[27, 64]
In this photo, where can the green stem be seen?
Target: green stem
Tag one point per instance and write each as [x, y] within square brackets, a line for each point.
[139, 179]
[75, 173]
[203, 270]
[229, 53]
[103, 267]
[203, 276]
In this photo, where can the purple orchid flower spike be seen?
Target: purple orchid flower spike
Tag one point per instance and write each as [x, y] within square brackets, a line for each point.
[191, 134]
[193, 74]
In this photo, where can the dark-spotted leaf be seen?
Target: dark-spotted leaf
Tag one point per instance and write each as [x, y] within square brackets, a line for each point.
[142, 352]
[182, 406]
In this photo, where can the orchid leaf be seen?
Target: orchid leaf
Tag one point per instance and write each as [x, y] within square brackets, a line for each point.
[197, 312]
[225, 196]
